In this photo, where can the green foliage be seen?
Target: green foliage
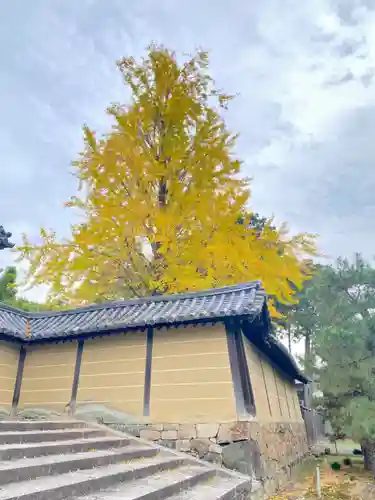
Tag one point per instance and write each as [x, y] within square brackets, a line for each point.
[334, 408]
[335, 466]
[29, 305]
[9, 292]
[8, 287]
[345, 344]
[299, 321]
[254, 221]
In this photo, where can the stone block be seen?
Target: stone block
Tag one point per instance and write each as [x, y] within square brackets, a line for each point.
[213, 458]
[254, 431]
[187, 431]
[170, 427]
[201, 446]
[133, 429]
[207, 430]
[245, 457]
[234, 431]
[183, 445]
[266, 451]
[172, 434]
[216, 448]
[282, 429]
[149, 434]
[156, 427]
[169, 443]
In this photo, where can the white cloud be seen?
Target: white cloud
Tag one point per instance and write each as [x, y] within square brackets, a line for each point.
[306, 112]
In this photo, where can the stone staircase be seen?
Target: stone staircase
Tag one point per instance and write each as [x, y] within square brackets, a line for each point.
[69, 459]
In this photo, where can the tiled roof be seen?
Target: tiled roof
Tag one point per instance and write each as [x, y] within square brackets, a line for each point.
[215, 304]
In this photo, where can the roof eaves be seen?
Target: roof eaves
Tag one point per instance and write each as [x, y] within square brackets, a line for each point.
[25, 328]
[111, 329]
[153, 298]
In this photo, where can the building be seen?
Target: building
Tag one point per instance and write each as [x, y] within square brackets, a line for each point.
[201, 371]
[305, 394]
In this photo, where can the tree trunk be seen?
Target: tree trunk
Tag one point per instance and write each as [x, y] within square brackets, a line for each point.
[365, 457]
[369, 456]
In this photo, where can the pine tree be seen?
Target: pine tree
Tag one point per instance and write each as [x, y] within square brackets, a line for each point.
[161, 197]
[8, 286]
[345, 344]
[9, 291]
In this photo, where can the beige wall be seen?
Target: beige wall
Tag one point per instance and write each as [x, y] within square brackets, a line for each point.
[191, 379]
[9, 354]
[113, 372]
[275, 396]
[48, 376]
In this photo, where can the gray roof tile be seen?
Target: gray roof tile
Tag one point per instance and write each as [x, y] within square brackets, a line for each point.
[246, 299]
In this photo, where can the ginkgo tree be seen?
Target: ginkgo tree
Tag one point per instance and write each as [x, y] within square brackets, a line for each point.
[163, 205]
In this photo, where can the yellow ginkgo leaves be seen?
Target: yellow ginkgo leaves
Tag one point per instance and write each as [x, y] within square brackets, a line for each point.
[160, 197]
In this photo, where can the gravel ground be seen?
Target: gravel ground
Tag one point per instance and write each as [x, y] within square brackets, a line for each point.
[350, 483]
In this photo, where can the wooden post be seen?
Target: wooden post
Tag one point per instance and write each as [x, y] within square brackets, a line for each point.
[318, 485]
[18, 383]
[148, 369]
[77, 370]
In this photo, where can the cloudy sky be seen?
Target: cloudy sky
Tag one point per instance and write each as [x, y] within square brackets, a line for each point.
[304, 72]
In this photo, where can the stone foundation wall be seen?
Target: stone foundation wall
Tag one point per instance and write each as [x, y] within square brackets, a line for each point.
[266, 451]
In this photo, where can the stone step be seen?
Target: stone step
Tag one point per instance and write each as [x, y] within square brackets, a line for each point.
[30, 450]
[48, 436]
[64, 459]
[158, 486]
[31, 468]
[221, 488]
[82, 482]
[41, 425]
